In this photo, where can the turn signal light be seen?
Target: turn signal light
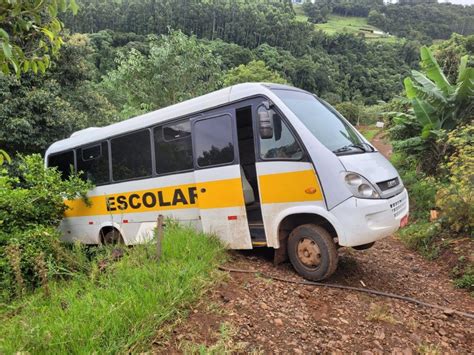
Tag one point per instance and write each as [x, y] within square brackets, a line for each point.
[310, 190]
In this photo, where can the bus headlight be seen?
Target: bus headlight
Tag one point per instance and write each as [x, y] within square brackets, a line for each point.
[360, 187]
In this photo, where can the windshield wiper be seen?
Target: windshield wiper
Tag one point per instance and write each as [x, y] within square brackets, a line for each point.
[362, 145]
[348, 147]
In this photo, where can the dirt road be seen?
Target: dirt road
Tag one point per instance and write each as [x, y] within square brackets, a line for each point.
[250, 313]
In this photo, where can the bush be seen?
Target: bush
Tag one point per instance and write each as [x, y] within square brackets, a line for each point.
[371, 114]
[350, 110]
[466, 279]
[31, 207]
[421, 236]
[422, 188]
[455, 198]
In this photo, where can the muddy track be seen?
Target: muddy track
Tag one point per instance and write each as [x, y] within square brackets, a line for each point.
[276, 317]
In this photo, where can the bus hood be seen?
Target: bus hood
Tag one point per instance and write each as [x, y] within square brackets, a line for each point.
[375, 168]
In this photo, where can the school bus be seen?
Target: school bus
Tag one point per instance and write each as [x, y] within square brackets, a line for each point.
[255, 164]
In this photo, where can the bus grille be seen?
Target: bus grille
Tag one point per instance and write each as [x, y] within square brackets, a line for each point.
[389, 184]
[398, 206]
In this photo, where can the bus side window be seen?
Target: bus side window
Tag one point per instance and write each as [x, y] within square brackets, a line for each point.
[131, 156]
[93, 161]
[64, 162]
[173, 147]
[214, 143]
[282, 144]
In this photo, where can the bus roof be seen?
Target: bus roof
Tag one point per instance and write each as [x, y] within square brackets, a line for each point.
[185, 108]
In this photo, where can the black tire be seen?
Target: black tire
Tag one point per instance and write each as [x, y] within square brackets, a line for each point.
[112, 237]
[364, 246]
[312, 252]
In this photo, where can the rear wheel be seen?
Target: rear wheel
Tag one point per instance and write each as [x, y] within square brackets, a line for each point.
[112, 237]
[312, 252]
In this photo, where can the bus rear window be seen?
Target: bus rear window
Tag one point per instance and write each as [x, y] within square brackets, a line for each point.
[64, 162]
[93, 161]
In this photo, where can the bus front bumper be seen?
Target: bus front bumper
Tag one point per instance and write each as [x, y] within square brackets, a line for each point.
[363, 221]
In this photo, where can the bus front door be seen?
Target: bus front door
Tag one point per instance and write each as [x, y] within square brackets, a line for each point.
[286, 177]
[217, 172]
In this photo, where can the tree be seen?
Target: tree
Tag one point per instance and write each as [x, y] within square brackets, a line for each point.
[448, 54]
[375, 18]
[255, 71]
[437, 106]
[417, 22]
[37, 110]
[316, 12]
[177, 68]
[30, 33]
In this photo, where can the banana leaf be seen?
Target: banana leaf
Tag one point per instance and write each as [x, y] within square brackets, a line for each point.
[465, 86]
[427, 90]
[425, 113]
[434, 72]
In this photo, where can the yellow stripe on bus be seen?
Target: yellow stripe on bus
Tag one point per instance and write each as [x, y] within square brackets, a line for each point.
[274, 188]
[212, 194]
[295, 186]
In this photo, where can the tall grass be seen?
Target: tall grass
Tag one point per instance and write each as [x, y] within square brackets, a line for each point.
[115, 310]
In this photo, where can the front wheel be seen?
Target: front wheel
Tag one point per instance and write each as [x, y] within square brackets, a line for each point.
[312, 252]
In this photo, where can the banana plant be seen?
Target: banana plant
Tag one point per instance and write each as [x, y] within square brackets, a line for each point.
[438, 104]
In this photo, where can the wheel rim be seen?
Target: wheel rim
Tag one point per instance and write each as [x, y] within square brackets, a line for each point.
[309, 253]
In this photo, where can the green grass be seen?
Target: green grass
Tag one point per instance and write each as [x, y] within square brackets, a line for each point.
[338, 24]
[120, 309]
[349, 24]
[345, 24]
[465, 281]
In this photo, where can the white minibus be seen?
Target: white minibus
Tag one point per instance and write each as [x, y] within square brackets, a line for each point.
[255, 164]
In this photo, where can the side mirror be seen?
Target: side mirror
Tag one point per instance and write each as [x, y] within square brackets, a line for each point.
[265, 126]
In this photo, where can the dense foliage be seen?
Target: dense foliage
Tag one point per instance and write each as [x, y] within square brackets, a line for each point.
[437, 106]
[414, 20]
[175, 68]
[455, 197]
[101, 77]
[247, 23]
[319, 10]
[31, 207]
[38, 110]
[255, 70]
[433, 143]
[30, 33]
[104, 76]
[424, 21]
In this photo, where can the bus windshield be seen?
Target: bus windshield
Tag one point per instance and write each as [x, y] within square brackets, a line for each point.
[330, 129]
